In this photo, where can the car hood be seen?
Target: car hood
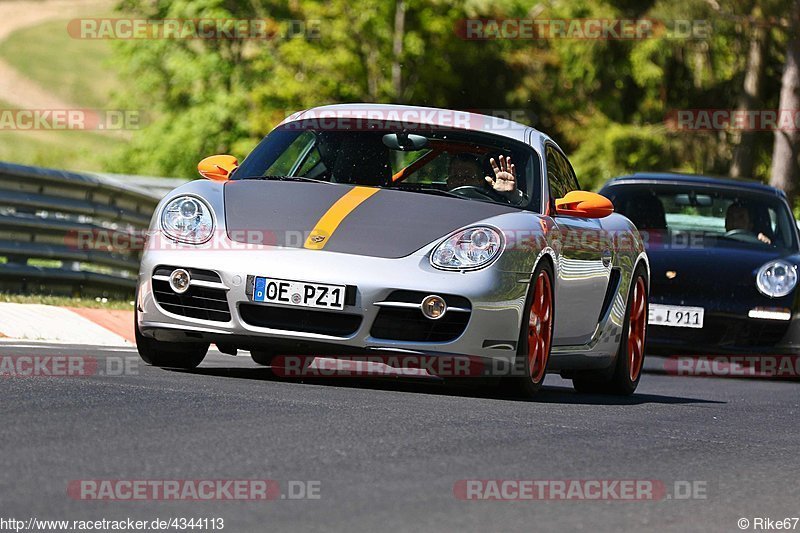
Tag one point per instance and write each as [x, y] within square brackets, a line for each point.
[387, 223]
[715, 272]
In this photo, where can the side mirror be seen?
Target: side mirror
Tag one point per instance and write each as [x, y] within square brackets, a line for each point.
[584, 204]
[217, 167]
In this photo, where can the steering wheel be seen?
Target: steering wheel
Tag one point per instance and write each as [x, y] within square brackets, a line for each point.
[742, 235]
[475, 192]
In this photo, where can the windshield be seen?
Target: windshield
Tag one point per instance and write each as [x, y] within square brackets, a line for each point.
[727, 215]
[457, 163]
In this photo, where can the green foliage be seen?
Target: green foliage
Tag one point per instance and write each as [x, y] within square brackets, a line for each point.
[617, 149]
[194, 92]
[605, 101]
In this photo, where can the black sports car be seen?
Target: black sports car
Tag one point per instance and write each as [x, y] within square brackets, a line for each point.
[723, 257]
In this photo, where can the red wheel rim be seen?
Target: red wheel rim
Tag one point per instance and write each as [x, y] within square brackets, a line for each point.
[636, 329]
[540, 327]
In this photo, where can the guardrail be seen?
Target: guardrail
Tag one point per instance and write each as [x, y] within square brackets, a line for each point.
[45, 215]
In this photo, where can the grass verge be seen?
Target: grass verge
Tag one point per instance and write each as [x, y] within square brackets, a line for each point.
[79, 71]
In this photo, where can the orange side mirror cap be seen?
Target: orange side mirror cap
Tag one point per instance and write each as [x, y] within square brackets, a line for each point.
[584, 204]
[217, 167]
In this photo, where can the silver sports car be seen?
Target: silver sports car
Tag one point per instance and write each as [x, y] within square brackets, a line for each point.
[358, 230]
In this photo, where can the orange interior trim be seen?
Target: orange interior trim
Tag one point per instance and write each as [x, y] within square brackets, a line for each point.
[436, 150]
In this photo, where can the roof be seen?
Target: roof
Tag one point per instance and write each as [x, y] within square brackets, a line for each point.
[674, 178]
[445, 118]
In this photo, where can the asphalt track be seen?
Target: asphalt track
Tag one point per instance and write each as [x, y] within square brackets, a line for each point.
[386, 453]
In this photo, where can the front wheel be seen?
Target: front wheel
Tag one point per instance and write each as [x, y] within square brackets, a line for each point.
[630, 356]
[185, 355]
[536, 335]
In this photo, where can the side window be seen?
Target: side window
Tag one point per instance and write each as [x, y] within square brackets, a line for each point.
[572, 181]
[312, 160]
[300, 147]
[555, 173]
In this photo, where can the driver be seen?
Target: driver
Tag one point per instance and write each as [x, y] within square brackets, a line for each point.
[737, 217]
[465, 171]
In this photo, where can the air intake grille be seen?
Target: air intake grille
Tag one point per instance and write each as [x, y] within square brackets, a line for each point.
[203, 302]
[409, 324]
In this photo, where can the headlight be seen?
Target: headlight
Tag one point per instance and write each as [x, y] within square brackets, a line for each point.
[187, 219]
[468, 249]
[776, 278]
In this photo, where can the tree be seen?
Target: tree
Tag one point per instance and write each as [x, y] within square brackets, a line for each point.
[785, 172]
[195, 91]
[750, 98]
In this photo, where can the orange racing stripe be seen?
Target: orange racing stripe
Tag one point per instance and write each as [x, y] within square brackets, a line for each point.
[345, 205]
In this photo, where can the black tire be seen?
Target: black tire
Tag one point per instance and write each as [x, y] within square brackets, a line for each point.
[185, 355]
[262, 357]
[523, 383]
[619, 381]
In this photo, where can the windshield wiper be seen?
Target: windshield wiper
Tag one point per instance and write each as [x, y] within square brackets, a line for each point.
[284, 178]
[427, 190]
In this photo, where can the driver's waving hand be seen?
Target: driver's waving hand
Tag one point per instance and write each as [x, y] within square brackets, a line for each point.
[505, 175]
[505, 179]
[465, 170]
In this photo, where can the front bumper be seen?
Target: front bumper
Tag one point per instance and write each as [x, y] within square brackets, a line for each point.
[727, 331]
[496, 296]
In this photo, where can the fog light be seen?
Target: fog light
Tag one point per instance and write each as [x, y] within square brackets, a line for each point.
[179, 280]
[434, 307]
[770, 313]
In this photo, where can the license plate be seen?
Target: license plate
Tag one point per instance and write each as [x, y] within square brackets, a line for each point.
[678, 316]
[298, 293]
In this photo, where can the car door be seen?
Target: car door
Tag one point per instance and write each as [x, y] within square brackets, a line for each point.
[584, 260]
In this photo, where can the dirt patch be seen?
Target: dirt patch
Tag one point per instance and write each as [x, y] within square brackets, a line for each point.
[18, 14]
